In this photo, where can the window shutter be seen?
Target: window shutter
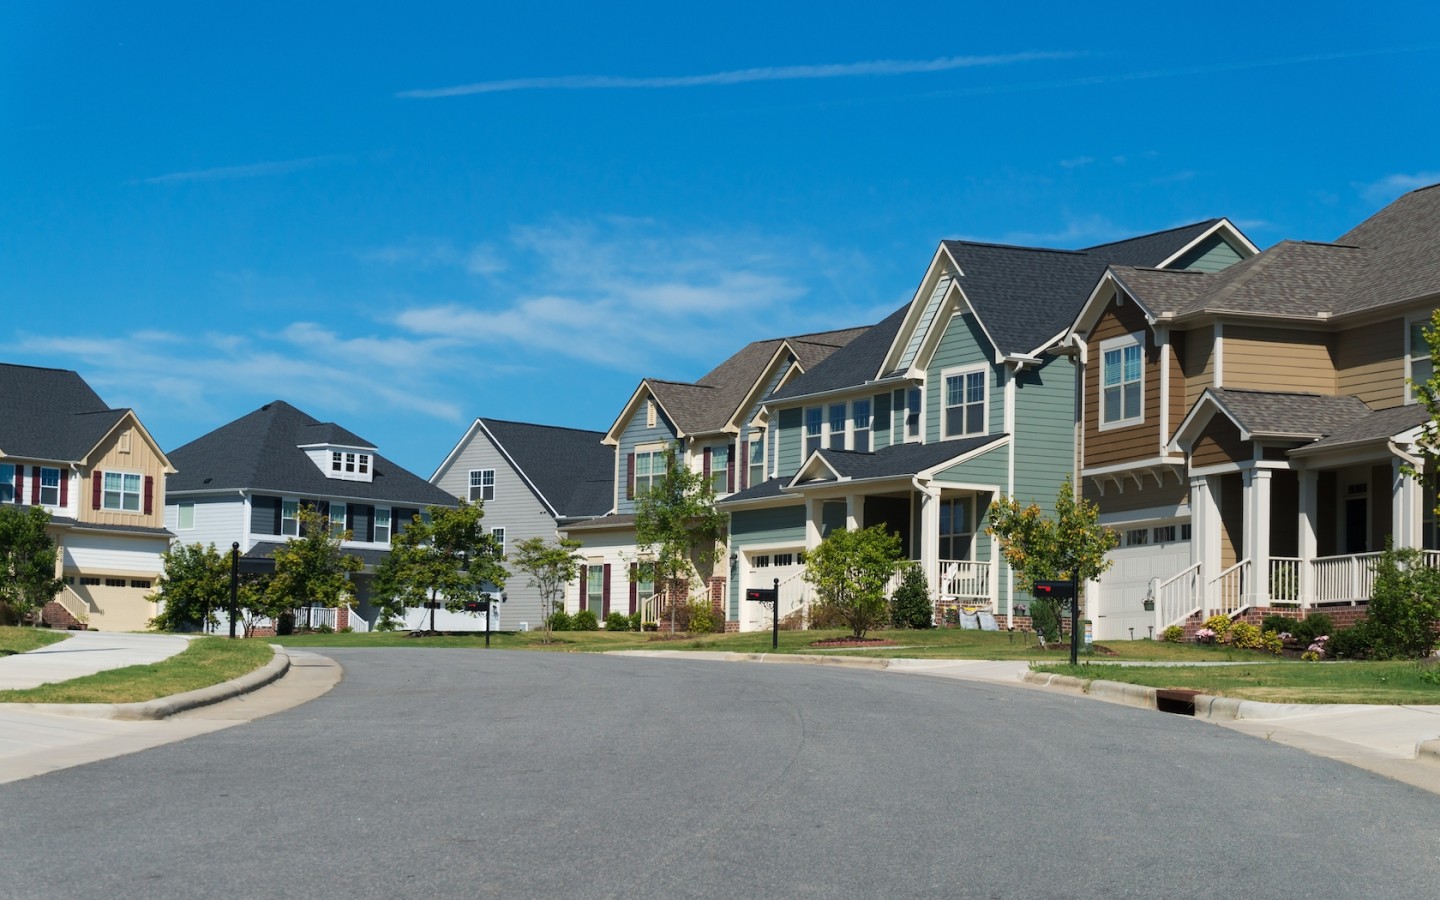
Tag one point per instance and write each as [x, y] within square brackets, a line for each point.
[97, 478]
[730, 473]
[634, 588]
[630, 477]
[584, 585]
[20, 485]
[149, 495]
[34, 485]
[64, 488]
[605, 593]
[744, 465]
[279, 504]
[705, 467]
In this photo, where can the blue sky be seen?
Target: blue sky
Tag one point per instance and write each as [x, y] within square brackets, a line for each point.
[401, 216]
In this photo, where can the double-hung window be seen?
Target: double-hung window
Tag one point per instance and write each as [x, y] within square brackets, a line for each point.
[1417, 355]
[913, 399]
[964, 403]
[482, 484]
[498, 534]
[7, 483]
[50, 487]
[1122, 382]
[837, 426]
[860, 426]
[957, 529]
[337, 519]
[122, 491]
[814, 427]
[382, 525]
[289, 515]
[720, 469]
[649, 469]
[757, 458]
[595, 587]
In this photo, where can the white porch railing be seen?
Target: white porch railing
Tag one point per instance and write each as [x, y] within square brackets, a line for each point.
[1227, 590]
[1177, 598]
[794, 595]
[1340, 578]
[74, 604]
[1284, 581]
[964, 580]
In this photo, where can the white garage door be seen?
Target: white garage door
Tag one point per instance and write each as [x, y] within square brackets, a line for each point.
[765, 567]
[1124, 586]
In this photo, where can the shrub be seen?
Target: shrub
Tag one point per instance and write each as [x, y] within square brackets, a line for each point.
[633, 621]
[1173, 635]
[560, 620]
[1243, 635]
[324, 628]
[1045, 616]
[347, 630]
[952, 617]
[1348, 643]
[585, 620]
[1404, 607]
[1220, 625]
[825, 616]
[910, 607]
[617, 621]
[1280, 623]
[1311, 627]
[703, 619]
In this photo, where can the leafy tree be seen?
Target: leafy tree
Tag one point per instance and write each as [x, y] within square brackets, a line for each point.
[550, 566]
[911, 606]
[311, 569]
[1403, 612]
[27, 561]
[677, 524]
[1073, 545]
[449, 559]
[850, 571]
[193, 588]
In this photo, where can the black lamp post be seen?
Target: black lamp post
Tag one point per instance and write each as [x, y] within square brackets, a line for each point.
[234, 586]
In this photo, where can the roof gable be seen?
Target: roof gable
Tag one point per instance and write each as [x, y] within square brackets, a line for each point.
[52, 414]
[569, 469]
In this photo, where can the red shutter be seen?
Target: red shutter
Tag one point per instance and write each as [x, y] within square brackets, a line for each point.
[630, 476]
[97, 478]
[34, 485]
[730, 472]
[149, 495]
[19, 484]
[605, 593]
[744, 465]
[634, 588]
[705, 468]
[584, 585]
[64, 488]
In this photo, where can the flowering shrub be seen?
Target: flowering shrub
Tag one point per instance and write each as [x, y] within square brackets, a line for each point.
[1219, 625]
[1244, 635]
[1205, 636]
[1316, 650]
[1173, 635]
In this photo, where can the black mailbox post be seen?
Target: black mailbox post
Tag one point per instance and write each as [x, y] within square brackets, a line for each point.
[770, 595]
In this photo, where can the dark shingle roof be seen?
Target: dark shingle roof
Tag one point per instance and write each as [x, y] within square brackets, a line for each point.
[761, 491]
[1151, 249]
[1291, 414]
[50, 414]
[855, 364]
[261, 451]
[573, 471]
[1405, 262]
[901, 459]
[1377, 425]
[1292, 278]
[623, 520]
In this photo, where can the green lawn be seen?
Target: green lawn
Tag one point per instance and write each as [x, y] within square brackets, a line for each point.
[206, 661]
[15, 639]
[1291, 682]
[935, 643]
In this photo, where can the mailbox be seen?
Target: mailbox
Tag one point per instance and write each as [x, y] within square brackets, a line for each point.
[763, 595]
[1054, 590]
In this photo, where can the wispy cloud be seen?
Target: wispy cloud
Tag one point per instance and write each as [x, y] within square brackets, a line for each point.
[226, 173]
[1077, 162]
[429, 253]
[879, 67]
[1392, 186]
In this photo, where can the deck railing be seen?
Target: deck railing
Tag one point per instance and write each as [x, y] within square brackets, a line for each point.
[1177, 598]
[964, 580]
[1227, 594]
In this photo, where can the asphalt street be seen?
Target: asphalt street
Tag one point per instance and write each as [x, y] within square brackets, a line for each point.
[447, 773]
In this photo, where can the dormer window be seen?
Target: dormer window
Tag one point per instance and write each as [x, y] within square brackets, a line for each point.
[347, 465]
[336, 458]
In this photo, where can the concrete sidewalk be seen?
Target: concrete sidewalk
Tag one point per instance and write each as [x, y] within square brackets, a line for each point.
[85, 653]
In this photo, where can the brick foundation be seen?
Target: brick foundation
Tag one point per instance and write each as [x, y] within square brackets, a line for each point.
[1344, 616]
[57, 616]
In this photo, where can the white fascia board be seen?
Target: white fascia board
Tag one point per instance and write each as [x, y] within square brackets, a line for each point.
[862, 388]
[520, 470]
[733, 424]
[931, 341]
[810, 460]
[1118, 468]
[455, 451]
[1223, 225]
[1192, 423]
[612, 436]
[929, 474]
[917, 309]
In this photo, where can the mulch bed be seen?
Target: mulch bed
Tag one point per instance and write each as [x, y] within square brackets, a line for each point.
[852, 642]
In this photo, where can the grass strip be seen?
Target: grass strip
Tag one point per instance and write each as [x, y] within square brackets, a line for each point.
[1301, 682]
[16, 639]
[206, 661]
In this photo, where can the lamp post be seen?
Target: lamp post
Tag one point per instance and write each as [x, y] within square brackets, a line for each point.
[234, 586]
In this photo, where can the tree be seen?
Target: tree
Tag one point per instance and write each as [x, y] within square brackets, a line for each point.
[27, 561]
[311, 570]
[447, 559]
[1403, 612]
[850, 571]
[550, 566]
[194, 586]
[1072, 546]
[677, 524]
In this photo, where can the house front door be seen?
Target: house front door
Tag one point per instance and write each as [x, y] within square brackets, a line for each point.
[1357, 521]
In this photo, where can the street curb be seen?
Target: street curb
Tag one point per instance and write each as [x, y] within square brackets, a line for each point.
[1112, 691]
[846, 661]
[163, 707]
[1428, 751]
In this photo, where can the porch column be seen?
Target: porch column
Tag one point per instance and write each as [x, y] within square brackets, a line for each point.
[813, 509]
[1257, 534]
[853, 512]
[1205, 535]
[1305, 529]
[930, 538]
[1406, 500]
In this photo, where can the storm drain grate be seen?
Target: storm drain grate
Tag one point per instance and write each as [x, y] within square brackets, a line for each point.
[1179, 701]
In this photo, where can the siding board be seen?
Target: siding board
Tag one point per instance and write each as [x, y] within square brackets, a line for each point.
[1370, 363]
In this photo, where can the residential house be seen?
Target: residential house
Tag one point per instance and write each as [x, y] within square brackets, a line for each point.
[244, 483]
[532, 480]
[1247, 430]
[101, 476]
[716, 427]
[964, 394]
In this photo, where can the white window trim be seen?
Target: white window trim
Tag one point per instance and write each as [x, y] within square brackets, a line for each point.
[829, 429]
[946, 375]
[1136, 339]
[180, 515]
[296, 519]
[470, 487]
[389, 523]
[658, 449]
[60, 475]
[139, 509]
[919, 436]
[498, 531]
[1410, 321]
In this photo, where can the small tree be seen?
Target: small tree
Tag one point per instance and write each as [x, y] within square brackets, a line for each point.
[448, 559]
[911, 606]
[1403, 612]
[312, 569]
[27, 561]
[194, 586]
[677, 524]
[850, 571]
[550, 566]
[1070, 546]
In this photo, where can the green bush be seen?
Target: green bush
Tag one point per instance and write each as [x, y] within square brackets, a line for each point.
[1312, 626]
[324, 628]
[1403, 612]
[1219, 624]
[825, 616]
[633, 621]
[1243, 635]
[1045, 616]
[911, 607]
[702, 618]
[585, 620]
[617, 621]
[347, 630]
[1348, 643]
[560, 620]
[1279, 623]
[1173, 635]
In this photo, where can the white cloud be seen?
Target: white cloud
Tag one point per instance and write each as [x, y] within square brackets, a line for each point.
[1392, 186]
[1077, 162]
[253, 170]
[879, 67]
